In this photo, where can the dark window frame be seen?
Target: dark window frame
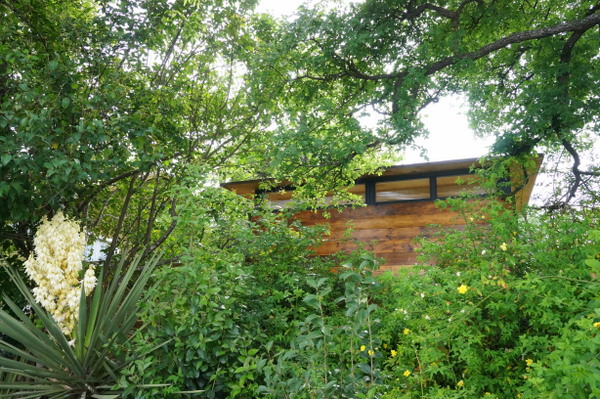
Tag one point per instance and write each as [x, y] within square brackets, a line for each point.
[371, 182]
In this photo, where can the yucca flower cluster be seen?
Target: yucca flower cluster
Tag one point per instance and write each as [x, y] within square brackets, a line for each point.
[57, 268]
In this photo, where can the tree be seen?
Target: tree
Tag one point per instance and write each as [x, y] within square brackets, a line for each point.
[106, 105]
[103, 106]
[528, 68]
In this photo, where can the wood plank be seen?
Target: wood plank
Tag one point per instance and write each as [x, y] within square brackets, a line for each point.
[329, 247]
[407, 210]
[396, 221]
[368, 212]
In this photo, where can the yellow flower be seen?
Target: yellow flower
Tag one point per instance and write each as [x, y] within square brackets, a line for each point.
[503, 246]
[529, 362]
[406, 331]
[370, 352]
[362, 348]
[385, 346]
[393, 353]
[462, 289]
[406, 373]
[597, 324]
[460, 384]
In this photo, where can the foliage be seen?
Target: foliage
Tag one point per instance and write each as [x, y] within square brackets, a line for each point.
[104, 102]
[527, 69]
[128, 113]
[242, 299]
[38, 359]
[209, 333]
[508, 308]
[241, 274]
[333, 352]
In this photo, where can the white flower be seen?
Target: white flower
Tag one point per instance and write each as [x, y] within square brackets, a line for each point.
[58, 262]
[458, 274]
[422, 295]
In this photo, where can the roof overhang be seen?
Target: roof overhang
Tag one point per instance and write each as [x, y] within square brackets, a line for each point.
[522, 179]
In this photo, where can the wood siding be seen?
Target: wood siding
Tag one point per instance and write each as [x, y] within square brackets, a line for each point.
[388, 230]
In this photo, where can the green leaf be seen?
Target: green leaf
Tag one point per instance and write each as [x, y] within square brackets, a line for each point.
[5, 159]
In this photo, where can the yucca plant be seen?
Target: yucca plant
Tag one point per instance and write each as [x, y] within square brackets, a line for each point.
[42, 362]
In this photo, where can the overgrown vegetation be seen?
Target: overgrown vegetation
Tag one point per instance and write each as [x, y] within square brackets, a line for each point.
[126, 115]
[506, 308]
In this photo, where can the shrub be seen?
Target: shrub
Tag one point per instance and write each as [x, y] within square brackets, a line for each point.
[333, 352]
[207, 335]
[40, 360]
[508, 311]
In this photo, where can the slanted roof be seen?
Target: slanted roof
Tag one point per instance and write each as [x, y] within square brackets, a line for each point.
[415, 171]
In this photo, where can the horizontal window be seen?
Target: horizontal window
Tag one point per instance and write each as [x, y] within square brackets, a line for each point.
[402, 190]
[395, 190]
[448, 186]
[280, 199]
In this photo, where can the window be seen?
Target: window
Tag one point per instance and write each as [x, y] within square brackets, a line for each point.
[384, 189]
[281, 198]
[447, 186]
[402, 190]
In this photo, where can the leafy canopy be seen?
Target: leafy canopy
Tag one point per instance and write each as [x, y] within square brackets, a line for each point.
[529, 70]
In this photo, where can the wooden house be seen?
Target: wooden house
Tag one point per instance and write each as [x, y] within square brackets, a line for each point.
[399, 207]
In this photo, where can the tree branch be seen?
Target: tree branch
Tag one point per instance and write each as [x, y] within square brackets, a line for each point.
[519, 37]
[115, 238]
[107, 183]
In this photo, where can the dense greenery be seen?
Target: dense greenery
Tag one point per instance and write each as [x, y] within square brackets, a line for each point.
[510, 309]
[127, 114]
[506, 308]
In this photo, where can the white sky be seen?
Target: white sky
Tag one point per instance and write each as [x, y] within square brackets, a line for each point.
[450, 136]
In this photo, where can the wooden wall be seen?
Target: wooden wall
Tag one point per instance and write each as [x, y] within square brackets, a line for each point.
[388, 230]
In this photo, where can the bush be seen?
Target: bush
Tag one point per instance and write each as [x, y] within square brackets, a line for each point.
[223, 332]
[506, 307]
[508, 311]
[333, 353]
[207, 335]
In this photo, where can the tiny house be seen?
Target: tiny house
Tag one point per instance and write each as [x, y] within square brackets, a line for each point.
[399, 205]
